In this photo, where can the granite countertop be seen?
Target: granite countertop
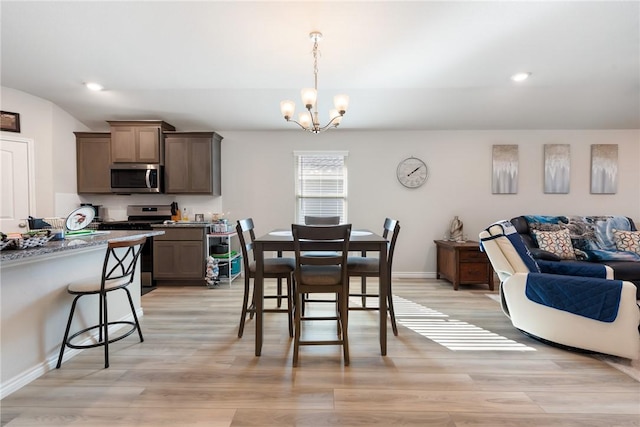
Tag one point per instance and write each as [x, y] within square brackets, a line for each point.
[183, 224]
[71, 243]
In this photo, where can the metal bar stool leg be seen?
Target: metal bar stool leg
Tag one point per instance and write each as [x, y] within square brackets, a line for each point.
[66, 332]
[105, 324]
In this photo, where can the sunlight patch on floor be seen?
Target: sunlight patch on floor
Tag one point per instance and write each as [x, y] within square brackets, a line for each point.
[453, 334]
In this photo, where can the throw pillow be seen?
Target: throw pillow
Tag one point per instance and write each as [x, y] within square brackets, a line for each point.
[556, 242]
[628, 241]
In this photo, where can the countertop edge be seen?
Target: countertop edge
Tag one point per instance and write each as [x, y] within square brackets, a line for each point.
[70, 246]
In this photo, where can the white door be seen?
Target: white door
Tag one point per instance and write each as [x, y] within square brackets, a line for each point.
[17, 195]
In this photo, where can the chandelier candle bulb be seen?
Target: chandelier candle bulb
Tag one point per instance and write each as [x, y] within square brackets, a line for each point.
[335, 117]
[305, 120]
[309, 97]
[287, 108]
[341, 103]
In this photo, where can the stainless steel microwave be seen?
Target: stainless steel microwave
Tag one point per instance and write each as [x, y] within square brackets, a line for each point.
[136, 178]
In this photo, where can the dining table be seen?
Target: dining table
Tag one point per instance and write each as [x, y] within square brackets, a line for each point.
[281, 240]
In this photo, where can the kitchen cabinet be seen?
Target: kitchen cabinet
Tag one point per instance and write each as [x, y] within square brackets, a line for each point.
[192, 163]
[179, 254]
[138, 141]
[93, 159]
[229, 262]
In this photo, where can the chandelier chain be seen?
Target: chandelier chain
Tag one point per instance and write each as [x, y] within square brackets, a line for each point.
[315, 64]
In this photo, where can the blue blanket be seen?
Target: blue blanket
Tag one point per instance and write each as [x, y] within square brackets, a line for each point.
[570, 268]
[597, 299]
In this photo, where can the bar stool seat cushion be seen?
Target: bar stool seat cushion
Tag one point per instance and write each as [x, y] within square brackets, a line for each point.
[275, 265]
[88, 285]
[359, 264]
[321, 275]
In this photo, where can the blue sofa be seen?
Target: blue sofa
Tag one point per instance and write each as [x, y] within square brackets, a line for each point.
[623, 269]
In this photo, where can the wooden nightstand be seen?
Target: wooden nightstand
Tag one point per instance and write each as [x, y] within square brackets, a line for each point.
[462, 263]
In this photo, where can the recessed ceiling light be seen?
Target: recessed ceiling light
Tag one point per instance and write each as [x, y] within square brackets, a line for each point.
[94, 86]
[520, 77]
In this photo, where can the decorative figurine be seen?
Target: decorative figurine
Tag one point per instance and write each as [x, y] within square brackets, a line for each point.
[455, 230]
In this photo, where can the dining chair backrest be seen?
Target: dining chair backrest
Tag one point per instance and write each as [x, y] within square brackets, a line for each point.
[246, 226]
[336, 255]
[321, 220]
[120, 262]
[391, 226]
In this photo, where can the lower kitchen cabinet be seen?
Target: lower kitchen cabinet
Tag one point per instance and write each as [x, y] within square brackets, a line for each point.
[179, 254]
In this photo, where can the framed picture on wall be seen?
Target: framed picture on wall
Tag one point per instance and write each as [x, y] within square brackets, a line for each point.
[504, 178]
[604, 168]
[9, 122]
[557, 168]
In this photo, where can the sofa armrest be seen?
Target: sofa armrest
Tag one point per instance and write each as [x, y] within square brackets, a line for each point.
[571, 268]
[541, 254]
[619, 338]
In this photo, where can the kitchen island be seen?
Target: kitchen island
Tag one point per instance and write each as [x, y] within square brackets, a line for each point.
[34, 303]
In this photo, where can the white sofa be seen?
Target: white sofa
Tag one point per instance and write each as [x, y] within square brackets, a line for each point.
[619, 337]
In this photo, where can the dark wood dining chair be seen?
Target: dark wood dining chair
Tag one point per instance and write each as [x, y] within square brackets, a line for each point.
[274, 268]
[322, 274]
[363, 267]
[118, 272]
[321, 220]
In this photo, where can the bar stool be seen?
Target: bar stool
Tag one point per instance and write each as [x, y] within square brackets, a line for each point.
[117, 273]
[274, 268]
[322, 274]
[363, 267]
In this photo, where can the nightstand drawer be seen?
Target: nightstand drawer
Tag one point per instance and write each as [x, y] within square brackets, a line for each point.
[472, 256]
[471, 272]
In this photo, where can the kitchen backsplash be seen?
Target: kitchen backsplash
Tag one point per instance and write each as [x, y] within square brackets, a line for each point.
[116, 205]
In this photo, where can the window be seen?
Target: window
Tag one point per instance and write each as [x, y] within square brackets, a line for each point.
[321, 184]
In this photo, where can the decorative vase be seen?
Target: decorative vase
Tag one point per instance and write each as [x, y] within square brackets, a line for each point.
[455, 230]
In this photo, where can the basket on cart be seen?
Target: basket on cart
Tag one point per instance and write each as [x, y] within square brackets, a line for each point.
[47, 223]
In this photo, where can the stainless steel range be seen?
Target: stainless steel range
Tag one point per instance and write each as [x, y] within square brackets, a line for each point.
[142, 217]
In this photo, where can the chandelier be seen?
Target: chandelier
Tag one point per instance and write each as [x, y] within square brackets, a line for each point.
[309, 120]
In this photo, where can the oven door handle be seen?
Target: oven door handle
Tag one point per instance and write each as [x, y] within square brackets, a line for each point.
[147, 178]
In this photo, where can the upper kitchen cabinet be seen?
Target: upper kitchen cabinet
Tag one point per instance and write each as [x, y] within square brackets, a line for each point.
[138, 141]
[192, 163]
[92, 162]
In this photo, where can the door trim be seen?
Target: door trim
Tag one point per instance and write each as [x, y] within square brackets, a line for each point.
[30, 165]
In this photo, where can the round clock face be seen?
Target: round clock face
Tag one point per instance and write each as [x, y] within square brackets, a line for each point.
[412, 172]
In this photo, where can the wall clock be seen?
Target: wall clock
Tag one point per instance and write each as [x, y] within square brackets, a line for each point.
[412, 172]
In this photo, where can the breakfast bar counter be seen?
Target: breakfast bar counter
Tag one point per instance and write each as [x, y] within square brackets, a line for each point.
[98, 239]
[34, 303]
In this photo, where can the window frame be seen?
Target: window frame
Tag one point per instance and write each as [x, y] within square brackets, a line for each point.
[299, 212]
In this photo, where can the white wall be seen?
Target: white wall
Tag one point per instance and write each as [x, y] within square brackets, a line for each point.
[259, 181]
[51, 129]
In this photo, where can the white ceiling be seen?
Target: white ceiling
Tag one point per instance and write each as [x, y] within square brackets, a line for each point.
[406, 65]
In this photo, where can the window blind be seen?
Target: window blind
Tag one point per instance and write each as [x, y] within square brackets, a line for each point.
[321, 185]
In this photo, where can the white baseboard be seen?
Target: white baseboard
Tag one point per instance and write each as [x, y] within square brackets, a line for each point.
[416, 275]
[24, 378]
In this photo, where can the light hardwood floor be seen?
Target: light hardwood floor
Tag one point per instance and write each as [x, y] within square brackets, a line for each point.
[192, 370]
